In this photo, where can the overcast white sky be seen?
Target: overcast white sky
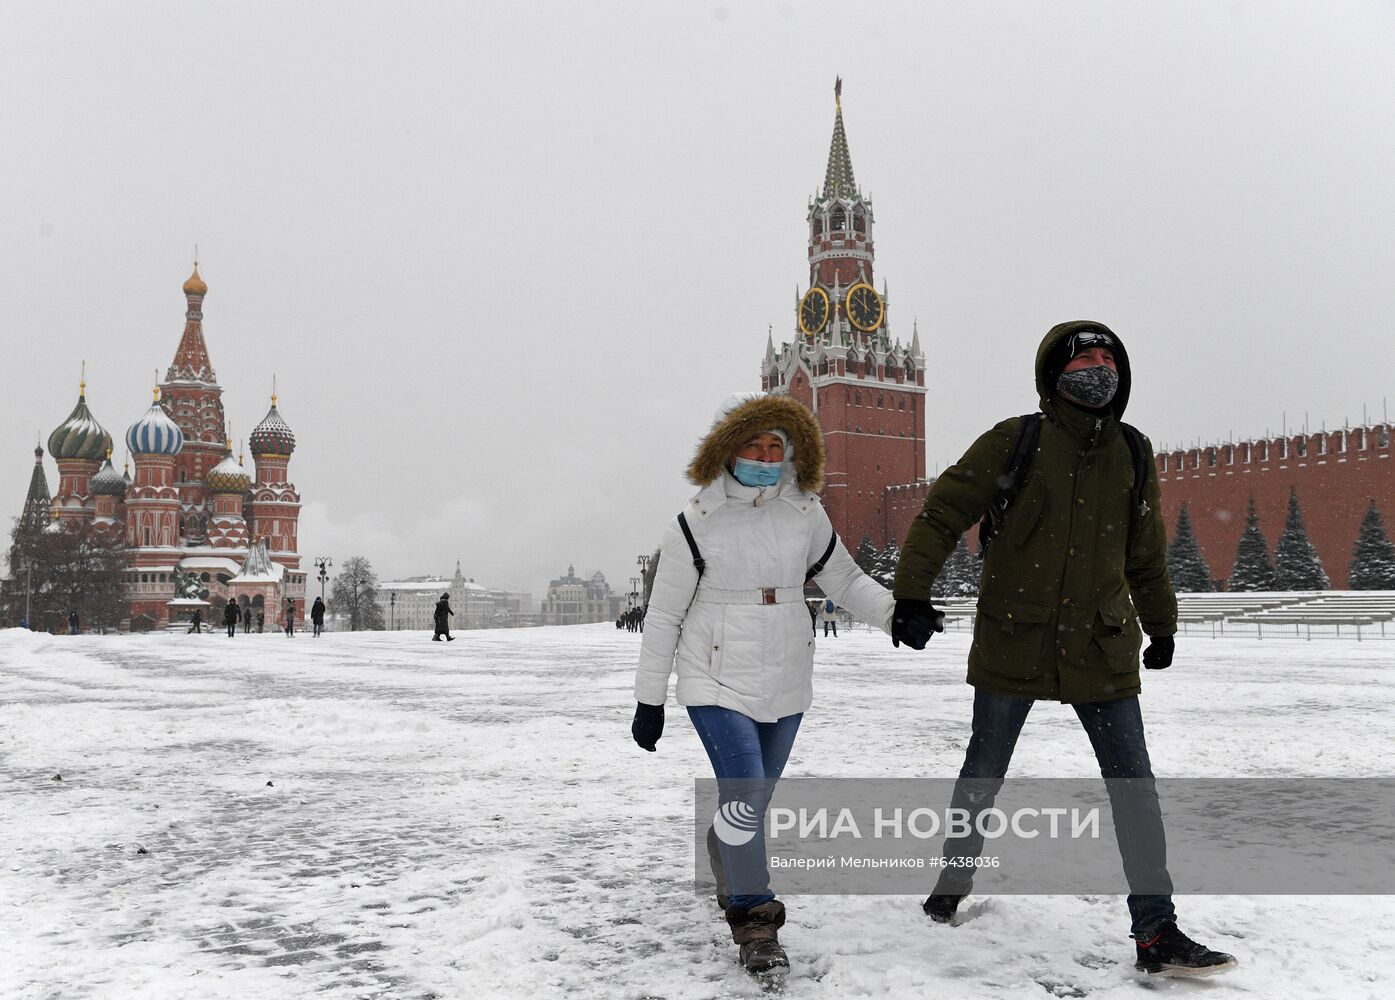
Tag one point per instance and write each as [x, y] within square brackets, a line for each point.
[504, 258]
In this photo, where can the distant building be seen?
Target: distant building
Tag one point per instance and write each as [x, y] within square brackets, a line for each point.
[475, 605]
[573, 601]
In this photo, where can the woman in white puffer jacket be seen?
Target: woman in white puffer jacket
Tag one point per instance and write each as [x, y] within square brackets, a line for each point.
[738, 628]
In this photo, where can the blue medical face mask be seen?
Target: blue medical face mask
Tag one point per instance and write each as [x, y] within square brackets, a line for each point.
[749, 473]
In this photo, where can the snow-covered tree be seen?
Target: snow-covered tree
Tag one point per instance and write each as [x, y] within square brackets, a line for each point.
[1185, 564]
[1252, 570]
[1373, 561]
[1296, 562]
[866, 555]
[884, 568]
[959, 576]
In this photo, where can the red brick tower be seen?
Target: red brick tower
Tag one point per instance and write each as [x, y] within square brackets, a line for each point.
[867, 390]
[152, 514]
[274, 512]
[194, 400]
[78, 445]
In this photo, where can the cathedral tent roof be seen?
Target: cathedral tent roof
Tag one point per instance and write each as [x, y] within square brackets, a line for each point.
[258, 567]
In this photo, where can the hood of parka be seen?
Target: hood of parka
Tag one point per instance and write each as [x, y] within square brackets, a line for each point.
[1046, 388]
[745, 414]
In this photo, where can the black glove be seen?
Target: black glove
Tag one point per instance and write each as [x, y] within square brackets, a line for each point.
[648, 725]
[913, 622]
[1158, 655]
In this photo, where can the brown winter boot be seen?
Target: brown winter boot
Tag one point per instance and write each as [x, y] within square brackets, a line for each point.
[756, 930]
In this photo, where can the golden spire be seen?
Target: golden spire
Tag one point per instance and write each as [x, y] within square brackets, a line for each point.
[273, 391]
[157, 385]
[82, 385]
[239, 451]
[838, 92]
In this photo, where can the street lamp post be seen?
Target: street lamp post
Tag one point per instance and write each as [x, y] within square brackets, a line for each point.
[635, 581]
[392, 605]
[324, 563]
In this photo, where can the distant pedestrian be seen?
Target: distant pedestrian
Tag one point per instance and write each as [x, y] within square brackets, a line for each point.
[830, 617]
[442, 618]
[231, 616]
[196, 622]
[261, 621]
[72, 623]
[317, 615]
[290, 618]
[813, 607]
[246, 619]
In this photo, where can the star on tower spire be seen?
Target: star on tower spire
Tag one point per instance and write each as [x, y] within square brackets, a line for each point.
[838, 181]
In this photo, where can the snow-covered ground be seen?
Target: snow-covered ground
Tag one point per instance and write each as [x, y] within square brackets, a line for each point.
[377, 815]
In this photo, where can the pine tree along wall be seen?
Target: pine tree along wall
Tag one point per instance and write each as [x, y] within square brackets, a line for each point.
[1252, 570]
[1373, 560]
[1296, 563]
[1185, 564]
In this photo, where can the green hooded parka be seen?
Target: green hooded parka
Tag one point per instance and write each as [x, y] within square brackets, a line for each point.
[1077, 574]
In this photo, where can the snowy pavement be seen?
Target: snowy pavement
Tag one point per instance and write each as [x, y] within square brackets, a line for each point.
[377, 815]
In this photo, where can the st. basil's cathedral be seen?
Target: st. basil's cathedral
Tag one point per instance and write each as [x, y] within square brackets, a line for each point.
[196, 528]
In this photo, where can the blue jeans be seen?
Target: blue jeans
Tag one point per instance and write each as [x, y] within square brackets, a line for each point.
[747, 757]
[1115, 729]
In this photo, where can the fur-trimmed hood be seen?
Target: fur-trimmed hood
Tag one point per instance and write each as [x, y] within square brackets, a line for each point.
[745, 414]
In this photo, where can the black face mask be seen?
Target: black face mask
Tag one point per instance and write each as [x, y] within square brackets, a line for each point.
[1092, 388]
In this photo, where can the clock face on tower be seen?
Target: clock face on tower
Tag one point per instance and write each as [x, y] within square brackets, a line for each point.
[864, 307]
[813, 310]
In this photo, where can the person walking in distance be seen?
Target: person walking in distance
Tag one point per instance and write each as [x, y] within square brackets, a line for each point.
[441, 617]
[317, 615]
[231, 616]
[727, 607]
[290, 618]
[1074, 576]
[830, 618]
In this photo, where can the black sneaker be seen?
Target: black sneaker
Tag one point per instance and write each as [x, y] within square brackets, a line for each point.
[1169, 952]
[940, 907]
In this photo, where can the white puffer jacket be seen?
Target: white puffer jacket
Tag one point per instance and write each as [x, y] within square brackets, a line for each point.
[753, 657]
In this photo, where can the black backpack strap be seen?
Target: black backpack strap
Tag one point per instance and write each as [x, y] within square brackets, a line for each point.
[1019, 461]
[817, 568]
[1138, 448]
[698, 561]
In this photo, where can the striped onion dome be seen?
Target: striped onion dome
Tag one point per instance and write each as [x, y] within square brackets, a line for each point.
[108, 482]
[80, 436]
[228, 477]
[154, 433]
[273, 435]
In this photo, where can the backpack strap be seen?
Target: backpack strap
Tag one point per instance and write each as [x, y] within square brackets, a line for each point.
[1024, 449]
[1138, 448]
[817, 568]
[698, 561]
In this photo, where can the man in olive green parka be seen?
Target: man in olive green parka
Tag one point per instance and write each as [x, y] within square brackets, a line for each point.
[1075, 576]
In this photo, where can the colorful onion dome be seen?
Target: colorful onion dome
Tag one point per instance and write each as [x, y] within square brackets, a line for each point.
[228, 477]
[195, 285]
[108, 482]
[273, 435]
[155, 433]
[80, 436]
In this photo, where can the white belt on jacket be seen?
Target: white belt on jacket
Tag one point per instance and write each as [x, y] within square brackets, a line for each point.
[766, 595]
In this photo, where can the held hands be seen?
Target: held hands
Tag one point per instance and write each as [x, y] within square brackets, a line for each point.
[913, 622]
[1158, 655]
[648, 725]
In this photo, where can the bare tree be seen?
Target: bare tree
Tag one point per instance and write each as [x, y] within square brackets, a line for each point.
[355, 594]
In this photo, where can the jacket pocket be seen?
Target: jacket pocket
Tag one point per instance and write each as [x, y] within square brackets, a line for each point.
[1010, 636]
[1026, 511]
[1117, 634]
